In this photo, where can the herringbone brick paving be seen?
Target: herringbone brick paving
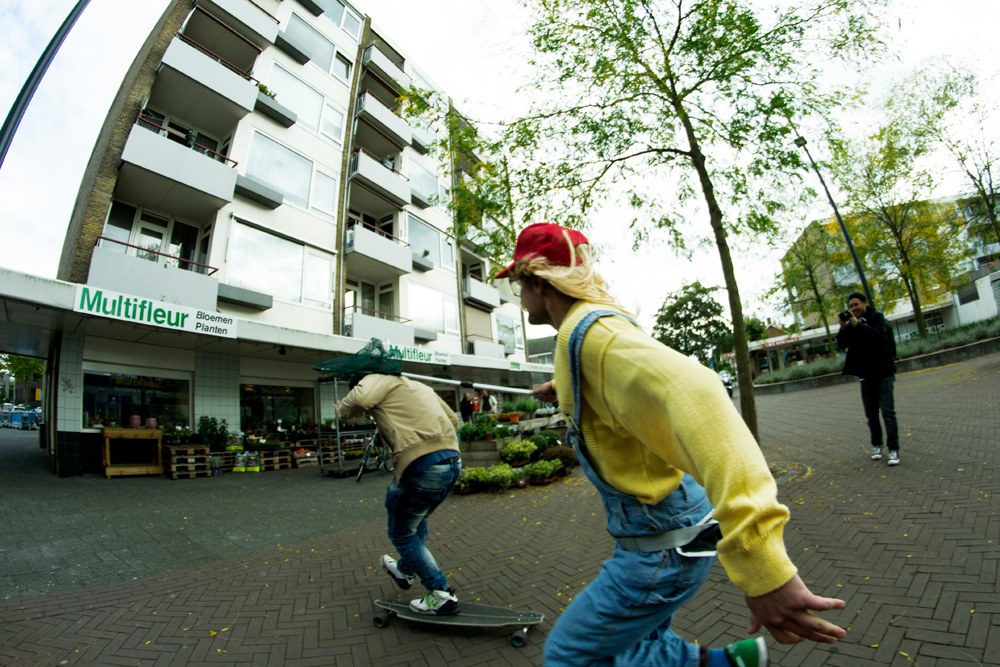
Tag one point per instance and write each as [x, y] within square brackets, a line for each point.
[912, 550]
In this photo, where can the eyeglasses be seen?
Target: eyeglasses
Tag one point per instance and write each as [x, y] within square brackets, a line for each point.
[515, 286]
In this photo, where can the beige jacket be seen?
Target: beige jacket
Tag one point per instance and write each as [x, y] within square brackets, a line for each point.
[411, 418]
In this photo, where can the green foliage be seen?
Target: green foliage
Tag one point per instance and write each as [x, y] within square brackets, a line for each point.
[756, 329]
[22, 368]
[543, 468]
[526, 404]
[508, 406]
[551, 436]
[520, 450]
[562, 453]
[471, 477]
[213, 432]
[501, 476]
[692, 322]
[482, 426]
[540, 442]
[270, 93]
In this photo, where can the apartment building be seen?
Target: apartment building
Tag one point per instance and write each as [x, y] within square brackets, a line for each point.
[255, 204]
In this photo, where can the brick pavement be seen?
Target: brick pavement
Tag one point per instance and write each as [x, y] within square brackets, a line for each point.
[911, 549]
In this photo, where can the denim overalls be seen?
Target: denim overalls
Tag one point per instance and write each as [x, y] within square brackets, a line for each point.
[623, 617]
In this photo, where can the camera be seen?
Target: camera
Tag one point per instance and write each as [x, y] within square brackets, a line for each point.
[845, 316]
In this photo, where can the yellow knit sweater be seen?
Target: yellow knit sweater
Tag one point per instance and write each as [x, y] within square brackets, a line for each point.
[651, 414]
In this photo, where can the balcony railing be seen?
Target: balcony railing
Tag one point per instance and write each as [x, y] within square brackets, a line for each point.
[184, 141]
[273, 18]
[381, 161]
[181, 262]
[222, 61]
[354, 221]
[371, 312]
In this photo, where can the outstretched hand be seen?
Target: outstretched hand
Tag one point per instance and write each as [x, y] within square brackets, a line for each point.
[545, 392]
[787, 613]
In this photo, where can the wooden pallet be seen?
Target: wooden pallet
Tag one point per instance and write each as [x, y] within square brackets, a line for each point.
[275, 466]
[189, 475]
[306, 460]
[188, 467]
[185, 450]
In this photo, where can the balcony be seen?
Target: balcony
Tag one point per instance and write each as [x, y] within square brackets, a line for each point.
[478, 294]
[387, 71]
[365, 323]
[122, 267]
[380, 115]
[202, 88]
[372, 173]
[247, 18]
[373, 255]
[484, 347]
[160, 170]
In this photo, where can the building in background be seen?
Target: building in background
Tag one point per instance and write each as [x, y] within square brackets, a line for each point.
[254, 204]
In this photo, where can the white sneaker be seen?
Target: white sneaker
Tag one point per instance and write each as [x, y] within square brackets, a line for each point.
[876, 453]
[442, 603]
[893, 457]
[404, 581]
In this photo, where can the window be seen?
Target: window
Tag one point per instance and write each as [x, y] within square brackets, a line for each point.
[262, 406]
[423, 182]
[179, 133]
[505, 332]
[333, 123]
[432, 310]
[306, 102]
[110, 399]
[272, 265]
[177, 241]
[281, 168]
[291, 174]
[324, 53]
[519, 335]
[432, 244]
[342, 17]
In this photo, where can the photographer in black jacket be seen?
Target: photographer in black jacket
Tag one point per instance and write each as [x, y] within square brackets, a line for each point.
[871, 354]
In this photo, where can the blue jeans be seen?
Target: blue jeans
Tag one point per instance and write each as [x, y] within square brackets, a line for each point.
[877, 396]
[409, 504]
[623, 617]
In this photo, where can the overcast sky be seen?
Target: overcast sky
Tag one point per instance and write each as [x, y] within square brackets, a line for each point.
[469, 48]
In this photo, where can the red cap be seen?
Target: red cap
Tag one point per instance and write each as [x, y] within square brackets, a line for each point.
[546, 240]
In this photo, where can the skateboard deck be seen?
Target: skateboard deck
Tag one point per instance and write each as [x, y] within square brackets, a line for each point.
[477, 615]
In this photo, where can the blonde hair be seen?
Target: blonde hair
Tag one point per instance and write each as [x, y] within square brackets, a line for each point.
[580, 280]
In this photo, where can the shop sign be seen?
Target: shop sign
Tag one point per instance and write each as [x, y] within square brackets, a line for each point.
[529, 367]
[416, 354]
[129, 308]
[772, 343]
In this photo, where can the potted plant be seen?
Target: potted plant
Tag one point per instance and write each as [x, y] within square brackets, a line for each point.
[471, 480]
[217, 463]
[527, 406]
[499, 478]
[564, 454]
[542, 472]
[518, 453]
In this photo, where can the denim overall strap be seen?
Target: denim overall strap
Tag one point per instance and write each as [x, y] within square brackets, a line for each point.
[628, 516]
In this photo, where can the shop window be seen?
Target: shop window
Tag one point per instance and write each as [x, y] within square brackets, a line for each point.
[112, 399]
[266, 408]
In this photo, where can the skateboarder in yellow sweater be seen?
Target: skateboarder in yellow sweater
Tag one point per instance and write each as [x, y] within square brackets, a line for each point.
[680, 475]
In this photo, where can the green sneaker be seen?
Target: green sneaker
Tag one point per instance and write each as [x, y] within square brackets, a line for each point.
[748, 653]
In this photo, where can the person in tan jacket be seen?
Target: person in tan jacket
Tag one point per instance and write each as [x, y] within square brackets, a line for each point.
[418, 430]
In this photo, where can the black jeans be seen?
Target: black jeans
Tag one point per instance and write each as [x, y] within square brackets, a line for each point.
[876, 396]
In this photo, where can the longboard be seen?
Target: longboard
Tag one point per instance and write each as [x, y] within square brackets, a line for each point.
[477, 615]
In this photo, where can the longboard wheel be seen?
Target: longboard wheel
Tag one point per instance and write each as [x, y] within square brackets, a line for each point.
[382, 619]
[519, 638]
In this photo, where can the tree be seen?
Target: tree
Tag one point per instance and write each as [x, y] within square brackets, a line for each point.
[808, 275]
[691, 321]
[911, 244]
[946, 104]
[22, 368]
[635, 92]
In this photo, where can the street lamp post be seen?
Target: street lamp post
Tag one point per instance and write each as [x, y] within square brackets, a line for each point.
[800, 141]
[31, 84]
